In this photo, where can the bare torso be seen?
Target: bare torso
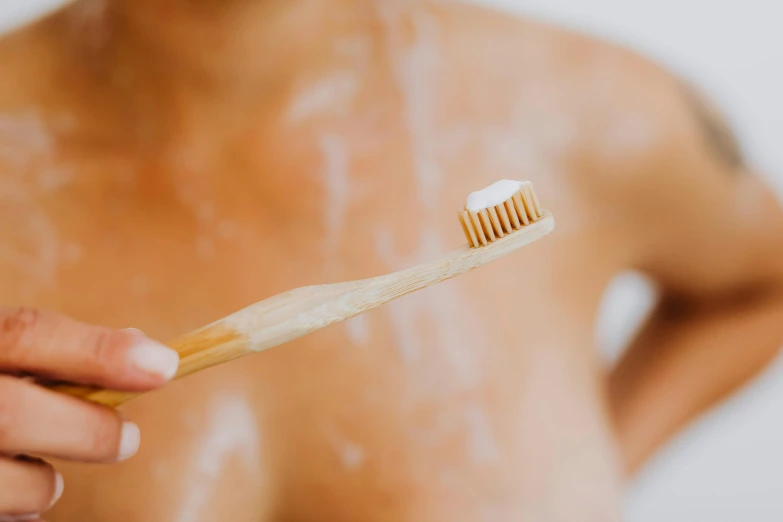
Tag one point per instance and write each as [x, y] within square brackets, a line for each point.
[478, 400]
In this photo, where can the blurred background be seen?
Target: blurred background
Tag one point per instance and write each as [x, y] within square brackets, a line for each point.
[728, 466]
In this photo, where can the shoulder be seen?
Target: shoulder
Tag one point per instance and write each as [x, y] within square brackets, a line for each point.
[620, 103]
[637, 145]
[606, 115]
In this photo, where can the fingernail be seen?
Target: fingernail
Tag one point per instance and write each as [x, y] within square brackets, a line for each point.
[129, 440]
[59, 484]
[151, 357]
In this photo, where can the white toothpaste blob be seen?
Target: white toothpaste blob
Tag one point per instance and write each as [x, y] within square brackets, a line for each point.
[493, 195]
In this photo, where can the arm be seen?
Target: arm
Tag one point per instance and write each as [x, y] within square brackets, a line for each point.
[688, 356]
[720, 320]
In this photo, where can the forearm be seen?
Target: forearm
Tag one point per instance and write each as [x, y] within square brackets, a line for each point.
[686, 358]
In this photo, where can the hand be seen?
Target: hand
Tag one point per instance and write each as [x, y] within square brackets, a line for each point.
[42, 423]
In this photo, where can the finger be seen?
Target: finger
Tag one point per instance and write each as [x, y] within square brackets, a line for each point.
[57, 347]
[27, 488]
[31, 517]
[37, 421]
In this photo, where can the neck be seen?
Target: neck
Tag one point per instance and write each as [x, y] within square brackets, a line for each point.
[217, 47]
[180, 69]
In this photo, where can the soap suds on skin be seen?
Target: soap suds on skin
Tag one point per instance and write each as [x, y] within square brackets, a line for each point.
[33, 248]
[355, 47]
[27, 156]
[27, 152]
[438, 316]
[336, 175]
[403, 313]
[230, 432]
[358, 330]
[23, 139]
[403, 316]
[482, 444]
[351, 454]
[332, 93]
[438, 319]
[414, 67]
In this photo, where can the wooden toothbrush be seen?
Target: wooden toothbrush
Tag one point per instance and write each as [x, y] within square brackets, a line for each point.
[496, 221]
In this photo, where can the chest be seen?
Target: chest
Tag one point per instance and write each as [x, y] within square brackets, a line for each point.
[168, 245]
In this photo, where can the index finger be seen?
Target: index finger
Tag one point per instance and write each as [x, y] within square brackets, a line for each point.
[53, 346]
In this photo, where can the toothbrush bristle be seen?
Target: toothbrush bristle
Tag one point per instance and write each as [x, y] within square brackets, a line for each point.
[486, 225]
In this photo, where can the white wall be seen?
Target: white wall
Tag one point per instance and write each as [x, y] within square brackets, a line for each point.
[14, 12]
[729, 466]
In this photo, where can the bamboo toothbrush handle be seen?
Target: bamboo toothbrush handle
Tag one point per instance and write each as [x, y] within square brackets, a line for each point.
[298, 312]
[198, 350]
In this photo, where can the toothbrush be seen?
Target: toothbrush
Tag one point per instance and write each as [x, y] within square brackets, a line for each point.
[496, 221]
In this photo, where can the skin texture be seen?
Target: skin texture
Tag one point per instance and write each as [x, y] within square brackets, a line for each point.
[165, 163]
